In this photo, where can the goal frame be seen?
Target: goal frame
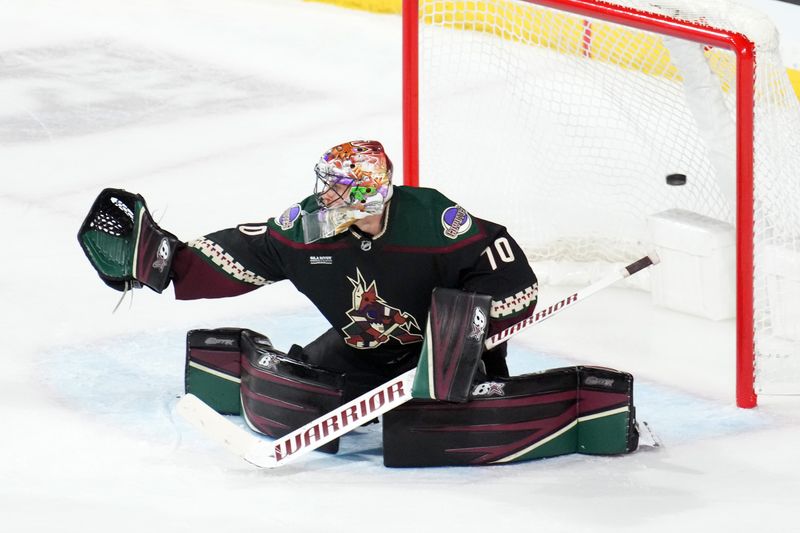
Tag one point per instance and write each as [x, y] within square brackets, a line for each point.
[744, 51]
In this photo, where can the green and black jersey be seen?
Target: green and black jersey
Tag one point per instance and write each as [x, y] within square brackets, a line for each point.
[374, 290]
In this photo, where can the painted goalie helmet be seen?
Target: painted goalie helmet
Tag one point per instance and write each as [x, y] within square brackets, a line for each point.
[354, 181]
[357, 174]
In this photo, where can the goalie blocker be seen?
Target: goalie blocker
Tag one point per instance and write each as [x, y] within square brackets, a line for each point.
[578, 409]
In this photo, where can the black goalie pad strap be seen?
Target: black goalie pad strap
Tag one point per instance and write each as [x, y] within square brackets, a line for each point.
[453, 345]
[123, 243]
[280, 394]
[585, 410]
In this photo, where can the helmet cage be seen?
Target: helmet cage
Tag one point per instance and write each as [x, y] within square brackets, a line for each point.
[354, 193]
[328, 185]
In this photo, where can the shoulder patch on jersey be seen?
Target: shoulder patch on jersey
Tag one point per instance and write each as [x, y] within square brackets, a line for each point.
[455, 221]
[287, 219]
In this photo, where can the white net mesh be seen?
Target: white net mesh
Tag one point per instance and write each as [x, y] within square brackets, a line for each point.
[564, 128]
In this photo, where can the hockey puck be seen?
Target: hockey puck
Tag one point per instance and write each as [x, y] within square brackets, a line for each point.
[676, 179]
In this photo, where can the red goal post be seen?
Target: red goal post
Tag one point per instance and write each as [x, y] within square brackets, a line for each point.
[735, 42]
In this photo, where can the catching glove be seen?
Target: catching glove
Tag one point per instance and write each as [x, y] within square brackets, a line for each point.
[123, 243]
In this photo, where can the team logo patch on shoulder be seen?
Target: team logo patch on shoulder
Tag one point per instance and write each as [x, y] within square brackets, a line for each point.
[289, 217]
[455, 221]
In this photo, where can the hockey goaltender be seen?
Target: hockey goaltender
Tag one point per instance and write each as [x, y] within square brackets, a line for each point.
[370, 255]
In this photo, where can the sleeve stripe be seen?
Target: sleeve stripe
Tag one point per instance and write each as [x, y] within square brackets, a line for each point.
[514, 304]
[226, 262]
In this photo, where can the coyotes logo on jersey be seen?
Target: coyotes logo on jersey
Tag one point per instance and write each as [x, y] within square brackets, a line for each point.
[373, 321]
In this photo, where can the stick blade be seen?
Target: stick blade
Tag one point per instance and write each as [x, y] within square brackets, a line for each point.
[217, 427]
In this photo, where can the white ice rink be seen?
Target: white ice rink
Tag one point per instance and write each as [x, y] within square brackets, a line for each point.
[216, 111]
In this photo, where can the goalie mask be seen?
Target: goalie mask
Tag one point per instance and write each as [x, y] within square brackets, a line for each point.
[354, 181]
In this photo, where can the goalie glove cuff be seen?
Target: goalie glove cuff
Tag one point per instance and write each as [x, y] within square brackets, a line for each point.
[154, 253]
[123, 243]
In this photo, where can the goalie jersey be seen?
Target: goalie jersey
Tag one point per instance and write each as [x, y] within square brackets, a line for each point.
[374, 290]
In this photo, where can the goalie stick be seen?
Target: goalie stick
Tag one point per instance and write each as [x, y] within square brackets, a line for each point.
[395, 392]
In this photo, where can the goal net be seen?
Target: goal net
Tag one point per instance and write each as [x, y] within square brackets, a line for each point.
[562, 119]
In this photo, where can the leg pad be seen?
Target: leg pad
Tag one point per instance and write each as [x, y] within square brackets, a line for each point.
[579, 409]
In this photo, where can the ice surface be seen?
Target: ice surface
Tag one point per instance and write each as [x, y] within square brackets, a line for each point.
[216, 112]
